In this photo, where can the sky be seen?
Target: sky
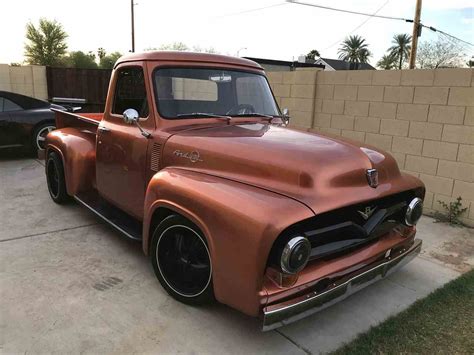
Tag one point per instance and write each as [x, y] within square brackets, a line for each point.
[282, 31]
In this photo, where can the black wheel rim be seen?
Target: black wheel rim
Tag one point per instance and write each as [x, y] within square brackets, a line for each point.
[53, 178]
[183, 261]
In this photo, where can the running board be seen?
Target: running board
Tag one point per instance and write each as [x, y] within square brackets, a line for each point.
[123, 222]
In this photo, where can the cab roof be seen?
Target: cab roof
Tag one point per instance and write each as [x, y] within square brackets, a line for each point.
[187, 57]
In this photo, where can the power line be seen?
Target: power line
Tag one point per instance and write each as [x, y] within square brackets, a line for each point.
[359, 26]
[347, 11]
[297, 2]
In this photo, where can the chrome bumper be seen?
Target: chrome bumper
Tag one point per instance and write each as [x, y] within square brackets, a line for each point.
[277, 315]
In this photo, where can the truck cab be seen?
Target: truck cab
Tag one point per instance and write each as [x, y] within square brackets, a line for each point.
[192, 157]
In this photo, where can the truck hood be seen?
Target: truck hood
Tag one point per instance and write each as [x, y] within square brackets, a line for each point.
[321, 172]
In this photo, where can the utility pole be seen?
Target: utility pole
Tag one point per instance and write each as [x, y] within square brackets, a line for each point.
[133, 26]
[415, 35]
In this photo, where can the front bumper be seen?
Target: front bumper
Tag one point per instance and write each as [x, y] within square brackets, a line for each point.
[283, 313]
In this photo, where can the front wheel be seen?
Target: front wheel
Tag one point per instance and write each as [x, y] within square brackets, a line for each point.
[55, 178]
[181, 261]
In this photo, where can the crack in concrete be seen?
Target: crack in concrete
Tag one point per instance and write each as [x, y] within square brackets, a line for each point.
[43, 233]
[302, 348]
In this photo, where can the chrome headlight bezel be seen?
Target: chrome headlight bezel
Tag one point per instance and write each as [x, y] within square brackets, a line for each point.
[289, 249]
[414, 211]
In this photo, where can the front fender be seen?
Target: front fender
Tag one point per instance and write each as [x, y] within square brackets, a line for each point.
[77, 149]
[240, 223]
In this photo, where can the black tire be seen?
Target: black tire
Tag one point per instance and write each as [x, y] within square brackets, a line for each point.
[55, 178]
[39, 134]
[181, 261]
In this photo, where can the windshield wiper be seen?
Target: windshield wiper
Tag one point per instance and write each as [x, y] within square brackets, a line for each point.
[256, 114]
[204, 114]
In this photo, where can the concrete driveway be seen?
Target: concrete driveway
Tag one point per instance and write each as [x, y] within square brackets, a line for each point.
[71, 284]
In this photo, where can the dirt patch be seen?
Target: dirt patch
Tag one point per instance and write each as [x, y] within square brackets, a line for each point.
[458, 253]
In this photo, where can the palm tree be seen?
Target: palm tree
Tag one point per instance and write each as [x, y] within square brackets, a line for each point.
[312, 54]
[354, 49]
[387, 62]
[401, 48]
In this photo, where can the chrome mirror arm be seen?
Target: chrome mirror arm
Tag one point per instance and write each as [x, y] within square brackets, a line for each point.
[131, 116]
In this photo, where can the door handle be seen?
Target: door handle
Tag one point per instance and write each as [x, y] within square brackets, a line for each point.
[104, 129]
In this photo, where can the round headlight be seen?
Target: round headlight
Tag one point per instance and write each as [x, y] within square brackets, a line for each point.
[414, 211]
[295, 255]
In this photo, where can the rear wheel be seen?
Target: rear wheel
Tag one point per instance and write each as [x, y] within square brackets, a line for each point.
[181, 261]
[55, 178]
[39, 135]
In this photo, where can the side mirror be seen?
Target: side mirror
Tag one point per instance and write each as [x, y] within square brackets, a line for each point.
[286, 116]
[130, 116]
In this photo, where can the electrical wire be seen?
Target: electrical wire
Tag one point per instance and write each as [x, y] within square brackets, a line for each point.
[359, 26]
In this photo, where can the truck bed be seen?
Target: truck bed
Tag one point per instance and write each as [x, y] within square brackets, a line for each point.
[71, 119]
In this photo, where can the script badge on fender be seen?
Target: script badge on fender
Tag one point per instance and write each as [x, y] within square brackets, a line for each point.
[372, 177]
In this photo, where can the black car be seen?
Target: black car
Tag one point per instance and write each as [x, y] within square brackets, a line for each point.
[24, 121]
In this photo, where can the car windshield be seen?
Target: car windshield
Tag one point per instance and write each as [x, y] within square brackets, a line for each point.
[202, 93]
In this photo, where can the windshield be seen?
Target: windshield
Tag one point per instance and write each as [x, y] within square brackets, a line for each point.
[201, 93]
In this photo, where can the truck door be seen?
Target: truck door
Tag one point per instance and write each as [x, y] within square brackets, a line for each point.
[121, 152]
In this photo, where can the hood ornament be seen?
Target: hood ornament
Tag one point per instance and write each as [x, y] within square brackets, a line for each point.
[372, 177]
[367, 212]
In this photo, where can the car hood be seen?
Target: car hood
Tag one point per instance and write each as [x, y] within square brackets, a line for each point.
[321, 172]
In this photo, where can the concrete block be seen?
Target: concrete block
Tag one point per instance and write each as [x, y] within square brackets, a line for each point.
[456, 170]
[394, 127]
[446, 114]
[281, 90]
[431, 95]
[302, 118]
[466, 153]
[421, 164]
[325, 91]
[428, 201]
[387, 77]
[400, 158]
[333, 106]
[412, 112]
[275, 77]
[318, 105]
[332, 77]
[330, 131]
[367, 124]
[342, 122]
[360, 77]
[441, 150]
[287, 102]
[438, 184]
[379, 140]
[370, 93]
[322, 120]
[458, 134]
[302, 91]
[398, 94]
[407, 145]
[417, 77]
[452, 77]
[288, 77]
[382, 109]
[356, 108]
[357, 136]
[345, 92]
[464, 189]
[305, 77]
[425, 130]
[469, 117]
[461, 96]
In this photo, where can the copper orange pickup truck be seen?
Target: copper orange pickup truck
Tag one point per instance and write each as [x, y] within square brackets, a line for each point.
[194, 158]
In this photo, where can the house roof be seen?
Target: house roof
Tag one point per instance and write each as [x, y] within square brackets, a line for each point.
[294, 64]
[338, 64]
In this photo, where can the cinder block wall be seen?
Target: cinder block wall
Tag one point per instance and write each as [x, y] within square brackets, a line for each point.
[28, 80]
[424, 118]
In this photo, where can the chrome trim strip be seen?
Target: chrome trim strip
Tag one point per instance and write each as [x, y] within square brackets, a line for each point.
[106, 219]
[313, 302]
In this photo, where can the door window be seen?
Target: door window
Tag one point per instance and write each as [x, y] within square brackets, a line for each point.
[130, 92]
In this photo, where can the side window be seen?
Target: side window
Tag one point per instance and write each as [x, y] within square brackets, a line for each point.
[8, 105]
[130, 91]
